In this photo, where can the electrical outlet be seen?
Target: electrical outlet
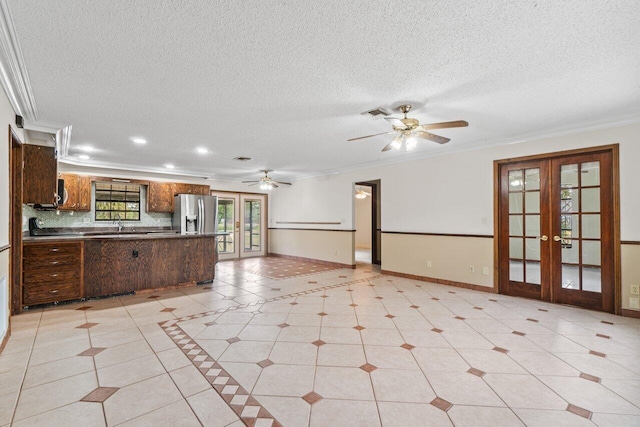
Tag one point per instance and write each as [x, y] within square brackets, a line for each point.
[472, 269]
[485, 271]
[429, 265]
[634, 302]
[86, 220]
[635, 289]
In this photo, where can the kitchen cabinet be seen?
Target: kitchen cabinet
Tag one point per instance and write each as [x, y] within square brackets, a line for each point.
[77, 195]
[160, 197]
[52, 272]
[191, 189]
[40, 176]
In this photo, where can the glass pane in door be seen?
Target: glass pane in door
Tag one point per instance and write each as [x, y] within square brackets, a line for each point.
[226, 215]
[252, 226]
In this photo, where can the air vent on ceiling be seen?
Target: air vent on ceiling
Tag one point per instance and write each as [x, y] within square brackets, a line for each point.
[242, 159]
[376, 112]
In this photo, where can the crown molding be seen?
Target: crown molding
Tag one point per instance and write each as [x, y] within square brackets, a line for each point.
[15, 81]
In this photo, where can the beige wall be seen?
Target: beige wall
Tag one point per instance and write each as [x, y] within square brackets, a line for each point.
[450, 257]
[324, 245]
[630, 255]
[363, 223]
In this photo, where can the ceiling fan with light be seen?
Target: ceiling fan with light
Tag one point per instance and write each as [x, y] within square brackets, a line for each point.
[361, 194]
[266, 182]
[408, 130]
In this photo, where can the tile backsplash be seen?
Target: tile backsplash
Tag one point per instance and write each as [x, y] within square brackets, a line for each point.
[58, 219]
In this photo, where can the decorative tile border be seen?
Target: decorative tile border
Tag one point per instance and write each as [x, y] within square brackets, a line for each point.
[250, 411]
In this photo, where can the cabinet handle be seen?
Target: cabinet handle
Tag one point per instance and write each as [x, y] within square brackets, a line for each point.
[54, 275]
[53, 250]
[53, 291]
[54, 262]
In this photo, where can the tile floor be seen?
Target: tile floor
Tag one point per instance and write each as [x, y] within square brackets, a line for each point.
[335, 348]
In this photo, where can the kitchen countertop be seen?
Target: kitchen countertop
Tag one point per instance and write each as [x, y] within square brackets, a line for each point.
[101, 234]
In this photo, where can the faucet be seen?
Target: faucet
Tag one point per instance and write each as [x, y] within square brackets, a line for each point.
[119, 223]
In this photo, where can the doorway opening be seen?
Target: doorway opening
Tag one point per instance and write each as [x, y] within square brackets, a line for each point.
[367, 220]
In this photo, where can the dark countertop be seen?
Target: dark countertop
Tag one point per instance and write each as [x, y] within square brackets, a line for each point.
[106, 233]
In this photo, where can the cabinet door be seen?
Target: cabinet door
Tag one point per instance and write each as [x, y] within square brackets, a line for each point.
[84, 193]
[70, 196]
[160, 197]
[40, 180]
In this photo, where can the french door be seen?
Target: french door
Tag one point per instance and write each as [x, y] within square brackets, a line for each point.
[556, 230]
[243, 218]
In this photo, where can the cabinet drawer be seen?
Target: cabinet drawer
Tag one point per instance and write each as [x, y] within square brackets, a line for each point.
[52, 250]
[45, 293]
[51, 276]
[51, 263]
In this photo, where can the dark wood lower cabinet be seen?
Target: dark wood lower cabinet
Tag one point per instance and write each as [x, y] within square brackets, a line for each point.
[114, 266]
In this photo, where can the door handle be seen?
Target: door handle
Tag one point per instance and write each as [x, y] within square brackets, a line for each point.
[544, 238]
[556, 238]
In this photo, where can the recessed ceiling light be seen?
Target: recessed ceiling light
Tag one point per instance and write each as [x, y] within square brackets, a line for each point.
[139, 140]
[169, 166]
[202, 150]
[83, 157]
[86, 148]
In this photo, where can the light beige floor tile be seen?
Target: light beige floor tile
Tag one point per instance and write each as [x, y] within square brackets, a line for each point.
[173, 359]
[474, 416]
[517, 392]
[341, 355]
[289, 411]
[599, 366]
[511, 342]
[90, 414]
[271, 319]
[214, 348]
[426, 338]
[220, 332]
[589, 395]
[462, 388]
[306, 334]
[55, 394]
[615, 420]
[54, 352]
[285, 380]
[395, 414]
[627, 389]
[132, 371]
[291, 353]
[491, 361]
[385, 337]
[127, 403]
[116, 338]
[247, 351]
[543, 363]
[393, 385]
[333, 335]
[303, 319]
[439, 359]
[7, 405]
[53, 371]
[331, 413]
[542, 418]
[376, 322]
[466, 339]
[556, 343]
[122, 353]
[12, 381]
[343, 383]
[189, 380]
[390, 357]
[175, 414]
[260, 333]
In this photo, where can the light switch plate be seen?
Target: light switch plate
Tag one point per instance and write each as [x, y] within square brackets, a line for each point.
[634, 302]
[635, 289]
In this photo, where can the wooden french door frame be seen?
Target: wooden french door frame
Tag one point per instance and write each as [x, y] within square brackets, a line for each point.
[239, 224]
[614, 261]
[376, 257]
[15, 222]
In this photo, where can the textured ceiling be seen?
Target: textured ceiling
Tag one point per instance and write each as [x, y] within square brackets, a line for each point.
[285, 81]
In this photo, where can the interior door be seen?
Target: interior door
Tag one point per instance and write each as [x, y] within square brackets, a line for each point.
[556, 231]
[228, 222]
[524, 230]
[583, 231]
[253, 225]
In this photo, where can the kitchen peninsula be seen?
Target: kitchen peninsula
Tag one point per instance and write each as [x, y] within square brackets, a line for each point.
[86, 265]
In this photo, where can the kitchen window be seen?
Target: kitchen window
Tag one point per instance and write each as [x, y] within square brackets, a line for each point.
[117, 202]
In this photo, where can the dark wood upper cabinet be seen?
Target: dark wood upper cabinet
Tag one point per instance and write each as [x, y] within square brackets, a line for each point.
[160, 197]
[40, 178]
[77, 195]
[191, 189]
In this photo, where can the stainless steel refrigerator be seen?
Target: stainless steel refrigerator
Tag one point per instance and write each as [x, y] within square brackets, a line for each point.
[194, 214]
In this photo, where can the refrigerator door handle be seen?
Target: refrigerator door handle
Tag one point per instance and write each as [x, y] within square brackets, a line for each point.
[200, 216]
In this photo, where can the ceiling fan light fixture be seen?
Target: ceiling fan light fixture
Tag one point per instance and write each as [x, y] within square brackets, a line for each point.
[410, 143]
[397, 142]
[361, 195]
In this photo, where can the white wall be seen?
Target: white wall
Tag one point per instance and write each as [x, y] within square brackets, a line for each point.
[7, 117]
[363, 223]
[453, 193]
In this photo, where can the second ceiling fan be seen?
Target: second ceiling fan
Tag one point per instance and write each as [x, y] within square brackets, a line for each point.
[266, 182]
[408, 129]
